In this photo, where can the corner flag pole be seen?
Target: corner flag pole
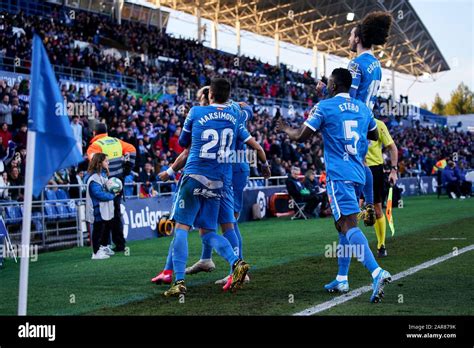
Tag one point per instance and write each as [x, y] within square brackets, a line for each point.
[26, 225]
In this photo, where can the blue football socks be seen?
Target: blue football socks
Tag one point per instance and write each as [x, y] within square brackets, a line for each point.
[221, 245]
[368, 188]
[180, 253]
[232, 238]
[362, 250]
[344, 254]
[239, 238]
[169, 258]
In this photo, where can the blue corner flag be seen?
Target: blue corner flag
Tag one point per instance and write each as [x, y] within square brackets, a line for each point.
[3, 228]
[55, 146]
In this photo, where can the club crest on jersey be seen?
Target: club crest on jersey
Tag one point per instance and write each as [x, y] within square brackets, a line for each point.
[353, 67]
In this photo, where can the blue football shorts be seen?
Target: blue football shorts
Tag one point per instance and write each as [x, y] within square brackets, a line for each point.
[197, 202]
[343, 197]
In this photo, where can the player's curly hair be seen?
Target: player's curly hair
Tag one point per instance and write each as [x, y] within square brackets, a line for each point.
[374, 28]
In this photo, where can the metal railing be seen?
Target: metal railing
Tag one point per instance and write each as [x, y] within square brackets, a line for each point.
[63, 72]
[51, 231]
[55, 231]
[274, 181]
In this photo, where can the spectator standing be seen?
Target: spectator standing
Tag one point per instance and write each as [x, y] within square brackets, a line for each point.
[21, 136]
[16, 180]
[5, 135]
[77, 132]
[6, 110]
[4, 183]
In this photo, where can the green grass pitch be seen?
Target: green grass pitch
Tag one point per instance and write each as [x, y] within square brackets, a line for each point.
[288, 272]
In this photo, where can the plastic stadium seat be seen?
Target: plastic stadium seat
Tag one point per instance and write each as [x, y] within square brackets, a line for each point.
[13, 214]
[50, 195]
[63, 212]
[61, 194]
[69, 205]
[37, 221]
[62, 209]
[50, 211]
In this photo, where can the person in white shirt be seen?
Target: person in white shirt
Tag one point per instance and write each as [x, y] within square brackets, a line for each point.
[4, 194]
[77, 131]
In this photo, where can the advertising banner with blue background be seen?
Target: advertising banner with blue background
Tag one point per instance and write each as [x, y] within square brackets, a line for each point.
[141, 216]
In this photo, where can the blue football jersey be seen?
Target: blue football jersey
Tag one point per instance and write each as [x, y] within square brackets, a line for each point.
[344, 123]
[215, 130]
[246, 114]
[366, 78]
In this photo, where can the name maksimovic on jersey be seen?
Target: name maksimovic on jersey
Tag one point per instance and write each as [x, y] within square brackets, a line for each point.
[218, 115]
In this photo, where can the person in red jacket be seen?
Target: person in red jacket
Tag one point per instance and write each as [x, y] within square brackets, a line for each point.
[5, 135]
[174, 142]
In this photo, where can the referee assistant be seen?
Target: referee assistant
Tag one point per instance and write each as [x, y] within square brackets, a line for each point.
[121, 156]
[374, 160]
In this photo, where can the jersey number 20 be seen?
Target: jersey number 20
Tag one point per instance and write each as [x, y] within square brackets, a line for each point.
[350, 133]
[227, 135]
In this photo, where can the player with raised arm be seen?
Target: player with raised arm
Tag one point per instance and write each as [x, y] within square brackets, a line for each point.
[240, 174]
[209, 148]
[227, 205]
[346, 124]
[366, 78]
[210, 132]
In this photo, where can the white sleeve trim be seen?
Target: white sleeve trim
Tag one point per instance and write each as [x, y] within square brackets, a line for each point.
[186, 130]
[309, 126]
[248, 138]
[370, 130]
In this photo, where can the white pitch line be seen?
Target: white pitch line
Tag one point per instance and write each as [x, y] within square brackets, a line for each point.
[453, 238]
[359, 291]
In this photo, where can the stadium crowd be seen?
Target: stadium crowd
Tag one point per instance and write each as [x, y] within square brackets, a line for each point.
[153, 127]
[191, 62]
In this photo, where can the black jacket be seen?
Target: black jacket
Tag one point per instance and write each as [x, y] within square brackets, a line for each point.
[294, 186]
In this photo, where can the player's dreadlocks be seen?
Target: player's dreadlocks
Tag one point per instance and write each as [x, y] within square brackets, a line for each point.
[374, 28]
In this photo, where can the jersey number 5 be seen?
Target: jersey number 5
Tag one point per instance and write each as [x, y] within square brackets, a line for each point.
[227, 135]
[351, 134]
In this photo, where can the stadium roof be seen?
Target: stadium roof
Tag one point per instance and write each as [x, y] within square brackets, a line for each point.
[324, 23]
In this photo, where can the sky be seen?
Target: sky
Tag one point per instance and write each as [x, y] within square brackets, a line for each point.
[450, 23]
